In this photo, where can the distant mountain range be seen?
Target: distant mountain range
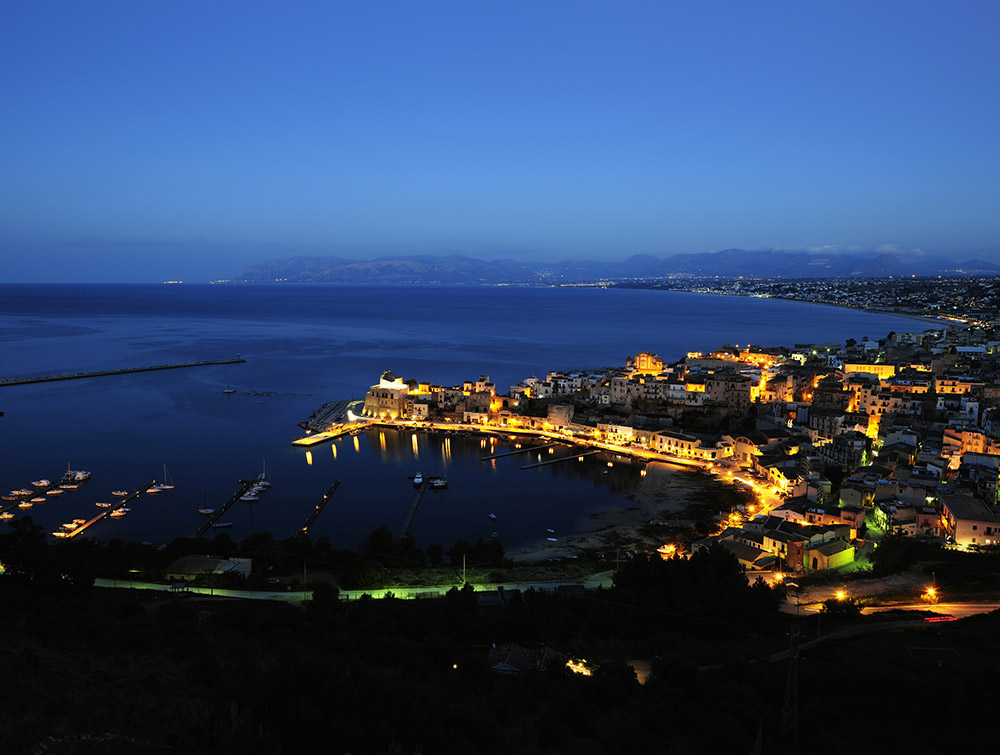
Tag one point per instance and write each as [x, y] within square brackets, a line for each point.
[730, 263]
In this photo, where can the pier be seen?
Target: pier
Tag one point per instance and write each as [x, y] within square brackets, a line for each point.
[413, 510]
[519, 451]
[123, 371]
[245, 485]
[107, 512]
[320, 506]
[563, 458]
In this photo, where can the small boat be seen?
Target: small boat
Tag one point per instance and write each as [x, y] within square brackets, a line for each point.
[57, 533]
[102, 505]
[39, 499]
[249, 498]
[22, 491]
[493, 516]
[6, 515]
[550, 530]
[206, 512]
[120, 512]
[166, 484]
[69, 486]
[438, 483]
[55, 491]
[418, 479]
[551, 539]
[119, 493]
[227, 389]
[222, 525]
[8, 497]
[25, 505]
[41, 483]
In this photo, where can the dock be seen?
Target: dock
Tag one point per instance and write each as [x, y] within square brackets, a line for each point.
[320, 506]
[519, 451]
[562, 458]
[107, 512]
[413, 509]
[122, 371]
[245, 485]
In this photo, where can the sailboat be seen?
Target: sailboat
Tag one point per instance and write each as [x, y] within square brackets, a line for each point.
[163, 486]
[166, 484]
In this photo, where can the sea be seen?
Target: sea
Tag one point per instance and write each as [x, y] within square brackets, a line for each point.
[307, 345]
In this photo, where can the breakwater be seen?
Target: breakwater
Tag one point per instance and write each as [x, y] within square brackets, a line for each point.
[122, 371]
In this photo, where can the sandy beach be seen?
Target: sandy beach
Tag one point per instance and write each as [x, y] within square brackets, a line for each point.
[658, 507]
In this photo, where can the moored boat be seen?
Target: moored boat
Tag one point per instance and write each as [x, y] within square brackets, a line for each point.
[39, 499]
[222, 525]
[25, 505]
[119, 493]
[206, 512]
[55, 491]
[41, 483]
[418, 479]
[120, 512]
[102, 505]
[6, 515]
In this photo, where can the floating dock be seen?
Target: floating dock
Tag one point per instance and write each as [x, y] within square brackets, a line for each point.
[319, 507]
[563, 458]
[519, 451]
[107, 512]
[123, 371]
[245, 485]
[413, 509]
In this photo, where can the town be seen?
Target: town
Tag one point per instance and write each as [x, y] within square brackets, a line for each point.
[836, 445]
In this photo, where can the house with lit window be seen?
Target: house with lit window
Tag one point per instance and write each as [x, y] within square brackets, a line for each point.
[968, 522]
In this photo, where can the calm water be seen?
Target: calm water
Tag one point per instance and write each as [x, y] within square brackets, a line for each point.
[306, 345]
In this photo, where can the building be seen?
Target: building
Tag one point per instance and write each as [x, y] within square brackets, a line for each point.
[387, 400]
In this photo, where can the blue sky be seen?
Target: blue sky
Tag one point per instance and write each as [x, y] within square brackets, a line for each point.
[158, 140]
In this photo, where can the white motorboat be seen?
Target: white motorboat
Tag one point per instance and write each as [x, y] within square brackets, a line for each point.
[41, 483]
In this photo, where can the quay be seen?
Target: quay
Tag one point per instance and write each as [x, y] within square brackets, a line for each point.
[123, 371]
[127, 499]
[320, 506]
[519, 451]
[245, 485]
[564, 458]
[413, 509]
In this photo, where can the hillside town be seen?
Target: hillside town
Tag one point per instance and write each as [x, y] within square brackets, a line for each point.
[836, 445]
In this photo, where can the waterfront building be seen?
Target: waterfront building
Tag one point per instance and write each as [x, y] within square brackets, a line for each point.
[387, 400]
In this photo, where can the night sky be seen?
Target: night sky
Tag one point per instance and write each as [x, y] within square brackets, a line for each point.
[145, 141]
